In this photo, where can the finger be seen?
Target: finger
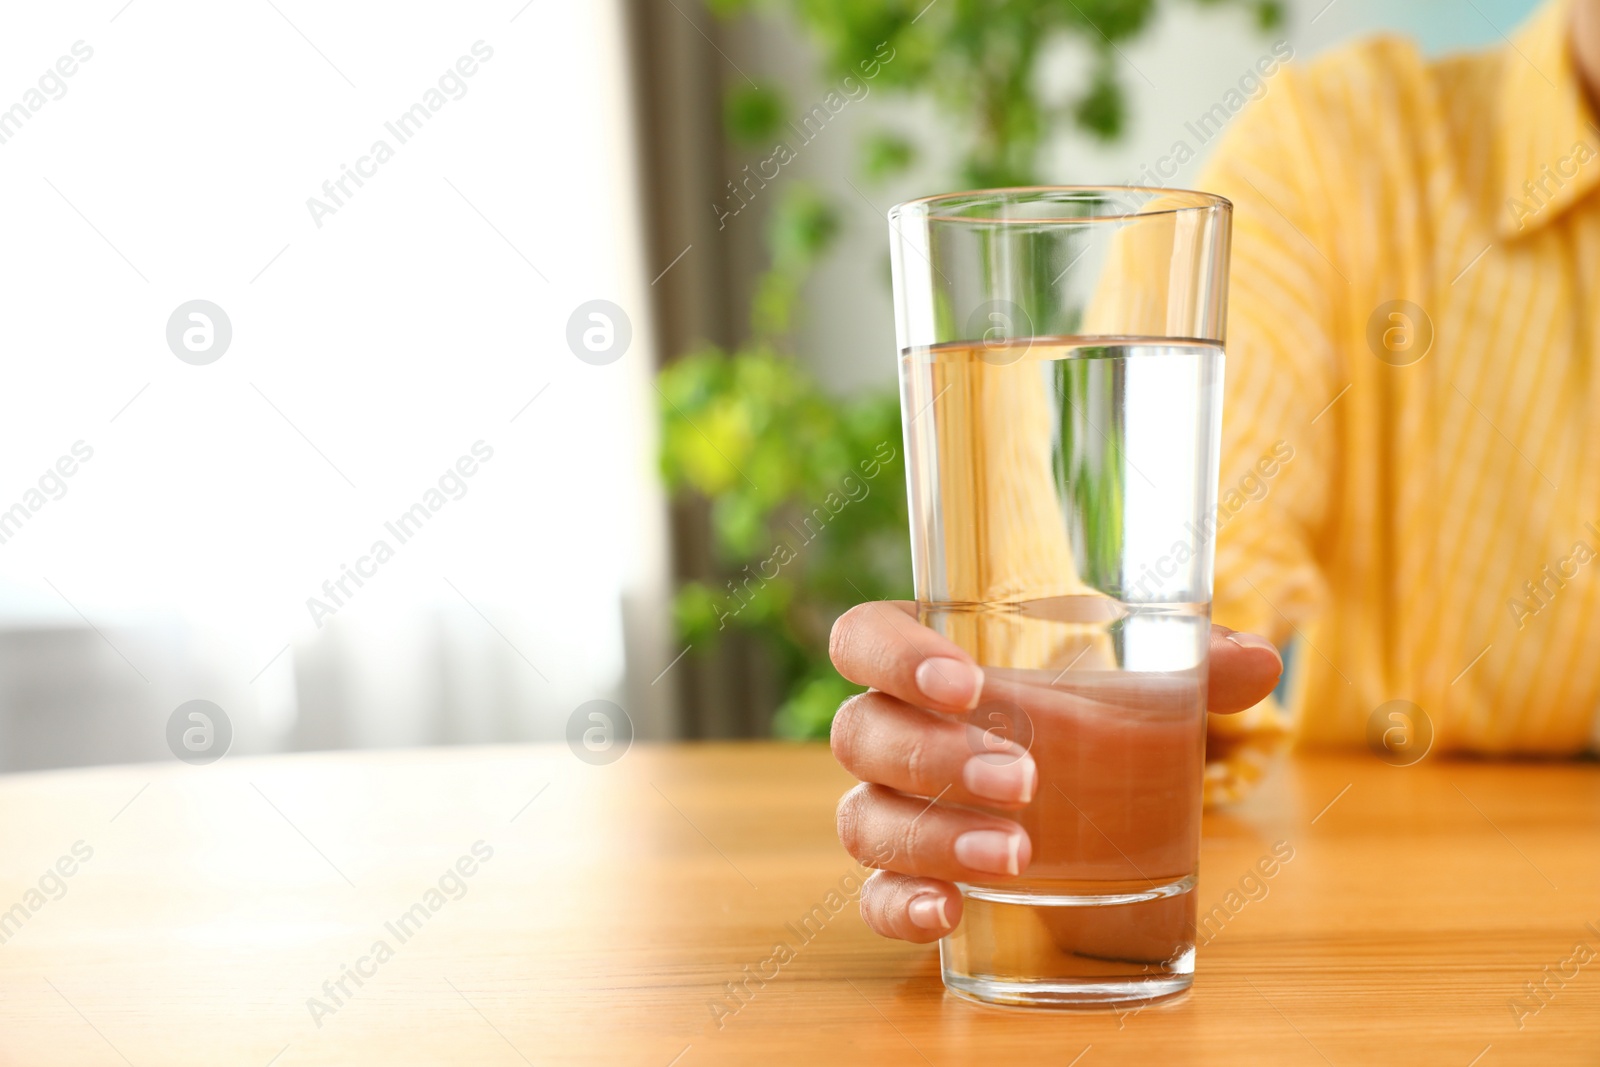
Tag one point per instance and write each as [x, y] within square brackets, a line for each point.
[1245, 668]
[885, 829]
[882, 739]
[881, 644]
[912, 909]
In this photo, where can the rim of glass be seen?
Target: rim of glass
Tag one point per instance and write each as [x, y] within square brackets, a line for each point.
[926, 207]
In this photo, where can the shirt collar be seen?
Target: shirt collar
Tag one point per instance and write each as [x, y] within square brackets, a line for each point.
[1549, 154]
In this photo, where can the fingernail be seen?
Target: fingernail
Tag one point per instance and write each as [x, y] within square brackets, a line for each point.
[927, 911]
[950, 681]
[1008, 779]
[1244, 640]
[994, 851]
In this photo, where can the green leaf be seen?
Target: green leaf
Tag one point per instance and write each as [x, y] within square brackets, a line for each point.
[803, 225]
[884, 155]
[740, 525]
[727, 9]
[1101, 111]
[694, 613]
[752, 115]
[1113, 20]
[808, 714]
[772, 307]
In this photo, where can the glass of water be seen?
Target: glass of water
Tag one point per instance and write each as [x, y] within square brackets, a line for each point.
[1061, 374]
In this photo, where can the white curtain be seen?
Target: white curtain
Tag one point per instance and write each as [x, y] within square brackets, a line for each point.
[399, 338]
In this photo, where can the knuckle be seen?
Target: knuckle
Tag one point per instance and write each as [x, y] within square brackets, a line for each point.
[874, 899]
[910, 841]
[844, 635]
[916, 763]
[848, 819]
[845, 732]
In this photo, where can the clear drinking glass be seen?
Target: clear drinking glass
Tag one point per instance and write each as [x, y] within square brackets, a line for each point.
[1061, 393]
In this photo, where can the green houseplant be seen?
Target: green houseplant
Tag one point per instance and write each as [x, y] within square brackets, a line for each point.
[807, 490]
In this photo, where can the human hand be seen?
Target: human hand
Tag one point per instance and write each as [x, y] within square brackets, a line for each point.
[922, 777]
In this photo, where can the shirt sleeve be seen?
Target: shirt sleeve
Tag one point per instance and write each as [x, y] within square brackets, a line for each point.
[1280, 405]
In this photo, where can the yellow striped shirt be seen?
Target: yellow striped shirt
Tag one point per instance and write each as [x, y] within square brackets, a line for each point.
[1413, 323]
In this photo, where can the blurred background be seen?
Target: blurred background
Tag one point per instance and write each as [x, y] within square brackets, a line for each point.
[545, 353]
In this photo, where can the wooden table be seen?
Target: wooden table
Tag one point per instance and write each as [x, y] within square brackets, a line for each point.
[619, 900]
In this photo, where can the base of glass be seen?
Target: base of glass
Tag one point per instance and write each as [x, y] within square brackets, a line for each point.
[1084, 945]
[1057, 994]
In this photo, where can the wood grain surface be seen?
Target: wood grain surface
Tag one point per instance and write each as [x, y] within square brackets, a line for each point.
[536, 909]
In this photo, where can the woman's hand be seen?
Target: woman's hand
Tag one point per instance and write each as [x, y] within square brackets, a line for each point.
[907, 742]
